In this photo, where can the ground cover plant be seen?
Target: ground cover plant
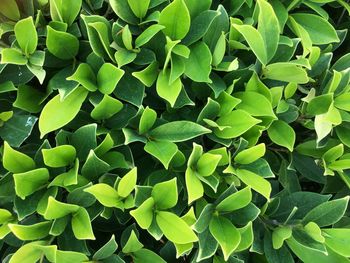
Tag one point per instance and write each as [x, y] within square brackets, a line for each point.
[174, 131]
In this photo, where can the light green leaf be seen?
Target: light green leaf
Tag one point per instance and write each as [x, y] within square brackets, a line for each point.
[254, 40]
[174, 228]
[106, 108]
[147, 120]
[164, 151]
[338, 240]
[167, 91]
[85, 76]
[268, 27]
[207, 164]
[147, 35]
[26, 35]
[198, 65]
[239, 121]
[194, 186]
[108, 77]
[61, 44]
[27, 253]
[176, 19]
[57, 113]
[29, 182]
[81, 225]
[127, 183]
[104, 193]
[133, 244]
[139, 8]
[59, 156]
[148, 75]
[219, 50]
[15, 161]
[255, 181]
[56, 209]
[144, 213]
[178, 131]
[147, 256]
[279, 235]
[235, 201]
[226, 234]
[65, 10]
[31, 232]
[165, 194]
[282, 134]
[13, 56]
[250, 155]
[343, 101]
[254, 103]
[312, 24]
[285, 71]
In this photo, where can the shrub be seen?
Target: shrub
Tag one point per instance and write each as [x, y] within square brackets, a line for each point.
[174, 131]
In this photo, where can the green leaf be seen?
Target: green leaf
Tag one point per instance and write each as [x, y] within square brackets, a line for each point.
[123, 10]
[176, 19]
[29, 182]
[70, 256]
[312, 24]
[147, 35]
[106, 108]
[61, 44]
[247, 237]
[26, 35]
[81, 225]
[108, 77]
[178, 131]
[268, 27]
[286, 71]
[197, 7]
[254, 103]
[250, 155]
[5, 216]
[133, 244]
[256, 182]
[9, 9]
[85, 76]
[106, 250]
[282, 134]
[198, 65]
[237, 122]
[169, 92]
[64, 10]
[31, 232]
[164, 151]
[148, 75]
[56, 209]
[59, 156]
[308, 255]
[279, 235]
[165, 194]
[13, 56]
[235, 201]
[194, 186]
[254, 40]
[327, 213]
[27, 253]
[320, 104]
[226, 234]
[57, 113]
[15, 161]
[338, 239]
[207, 164]
[139, 8]
[144, 213]
[127, 183]
[219, 50]
[104, 193]
[147, 120]
[174, 228]
[342, 101]
[146, 256]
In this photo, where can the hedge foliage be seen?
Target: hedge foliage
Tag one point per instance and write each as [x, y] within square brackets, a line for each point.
[174, 131]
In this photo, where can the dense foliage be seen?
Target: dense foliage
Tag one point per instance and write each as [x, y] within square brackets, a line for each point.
[174, 131]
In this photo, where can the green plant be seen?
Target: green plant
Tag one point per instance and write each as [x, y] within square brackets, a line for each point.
[174, 131]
